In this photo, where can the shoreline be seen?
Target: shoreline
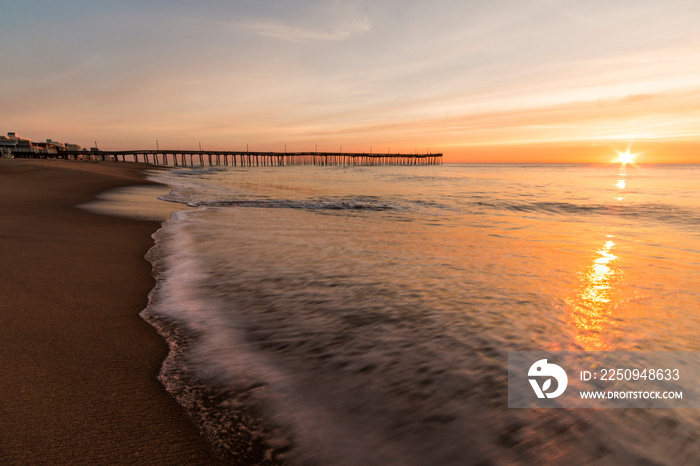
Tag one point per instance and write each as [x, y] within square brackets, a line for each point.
[240, 431]
[80, 365]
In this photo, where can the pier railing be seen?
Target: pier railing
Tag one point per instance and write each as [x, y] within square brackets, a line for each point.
[191, 158]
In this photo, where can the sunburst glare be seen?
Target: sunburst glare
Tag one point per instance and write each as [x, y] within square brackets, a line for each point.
[625, 157]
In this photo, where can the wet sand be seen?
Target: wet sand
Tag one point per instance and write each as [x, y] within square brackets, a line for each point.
[78, 365]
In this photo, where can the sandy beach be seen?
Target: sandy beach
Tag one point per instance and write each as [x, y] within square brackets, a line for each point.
[79, 366]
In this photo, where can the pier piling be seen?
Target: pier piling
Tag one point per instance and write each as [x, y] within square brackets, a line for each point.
[255, 159]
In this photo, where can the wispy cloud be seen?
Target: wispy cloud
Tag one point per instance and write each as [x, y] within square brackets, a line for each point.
[297, 33]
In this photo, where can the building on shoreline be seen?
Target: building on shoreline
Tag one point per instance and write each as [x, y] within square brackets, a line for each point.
[15, 146]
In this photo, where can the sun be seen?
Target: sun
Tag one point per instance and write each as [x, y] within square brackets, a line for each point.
[625, 157]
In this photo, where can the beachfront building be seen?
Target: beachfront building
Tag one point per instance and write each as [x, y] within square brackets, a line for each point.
[49, 147]
[6, 146]
[13, 145]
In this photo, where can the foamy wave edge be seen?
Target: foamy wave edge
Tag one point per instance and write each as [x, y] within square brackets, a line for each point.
[236, 433]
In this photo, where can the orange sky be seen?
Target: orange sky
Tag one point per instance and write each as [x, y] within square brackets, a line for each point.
[500, 81]
[647, 152]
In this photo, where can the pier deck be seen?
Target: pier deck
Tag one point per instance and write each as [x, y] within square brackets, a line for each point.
[191, 158]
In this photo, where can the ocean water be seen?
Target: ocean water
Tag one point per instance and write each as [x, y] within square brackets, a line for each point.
[363, 315]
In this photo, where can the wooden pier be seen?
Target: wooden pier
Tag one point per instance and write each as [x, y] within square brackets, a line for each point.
[192, 158]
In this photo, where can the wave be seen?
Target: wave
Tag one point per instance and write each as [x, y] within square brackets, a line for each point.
[231, 415]
[655, 212]
[364, 204]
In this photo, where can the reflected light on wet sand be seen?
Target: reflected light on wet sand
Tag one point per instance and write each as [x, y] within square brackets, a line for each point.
[139, 202]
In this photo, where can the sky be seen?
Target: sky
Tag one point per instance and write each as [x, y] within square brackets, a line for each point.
[480, 81]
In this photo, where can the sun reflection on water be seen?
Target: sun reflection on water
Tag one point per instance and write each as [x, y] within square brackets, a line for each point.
[621, 183]
[592, 308]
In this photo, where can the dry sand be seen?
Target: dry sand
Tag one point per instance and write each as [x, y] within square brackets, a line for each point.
[78, 365]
